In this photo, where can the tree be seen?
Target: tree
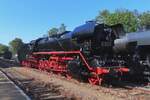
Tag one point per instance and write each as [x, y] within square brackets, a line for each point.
[53, 31]
[15, 45]
[3, 48]
[145, 20]
[62, 28]
[120, 16]
[102, 16]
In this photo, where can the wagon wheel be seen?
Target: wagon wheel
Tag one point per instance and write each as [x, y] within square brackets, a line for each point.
[148, 60]
[148, 67]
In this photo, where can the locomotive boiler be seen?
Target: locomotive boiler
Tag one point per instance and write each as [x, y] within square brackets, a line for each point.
[75, 40]
[94, 52]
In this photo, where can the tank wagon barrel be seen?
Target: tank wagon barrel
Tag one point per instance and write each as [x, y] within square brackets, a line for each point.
[132, 39]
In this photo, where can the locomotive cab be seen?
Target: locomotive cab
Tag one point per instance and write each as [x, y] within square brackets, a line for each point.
[98, 36]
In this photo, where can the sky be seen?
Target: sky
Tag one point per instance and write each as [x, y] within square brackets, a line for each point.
[30, 19]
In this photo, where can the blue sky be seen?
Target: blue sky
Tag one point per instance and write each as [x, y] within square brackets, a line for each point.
[30, 19]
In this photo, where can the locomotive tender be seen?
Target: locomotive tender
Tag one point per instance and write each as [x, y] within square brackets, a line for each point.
[92, 52]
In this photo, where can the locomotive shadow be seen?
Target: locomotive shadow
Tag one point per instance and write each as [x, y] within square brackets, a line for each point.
[127, 84]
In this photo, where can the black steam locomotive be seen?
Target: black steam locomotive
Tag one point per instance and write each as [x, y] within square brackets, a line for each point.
[104, 50]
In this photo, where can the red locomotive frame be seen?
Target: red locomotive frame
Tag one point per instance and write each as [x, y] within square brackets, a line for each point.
[57, 63]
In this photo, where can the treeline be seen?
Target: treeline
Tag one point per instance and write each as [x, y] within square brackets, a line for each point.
[131, 20]
[11, 49]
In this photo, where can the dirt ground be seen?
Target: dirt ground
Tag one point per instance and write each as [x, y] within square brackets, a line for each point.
[73, 88]
[83, 91]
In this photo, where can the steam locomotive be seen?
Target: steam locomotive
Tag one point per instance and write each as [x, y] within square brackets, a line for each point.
[94, 52]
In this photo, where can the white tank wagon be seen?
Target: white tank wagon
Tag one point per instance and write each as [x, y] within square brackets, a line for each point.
[135, 39]
[135, 48]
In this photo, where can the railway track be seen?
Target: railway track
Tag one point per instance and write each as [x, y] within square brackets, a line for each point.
[36, 90]
[43, 91]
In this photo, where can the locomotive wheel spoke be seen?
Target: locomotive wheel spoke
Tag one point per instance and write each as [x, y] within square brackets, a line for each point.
[95, 80]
